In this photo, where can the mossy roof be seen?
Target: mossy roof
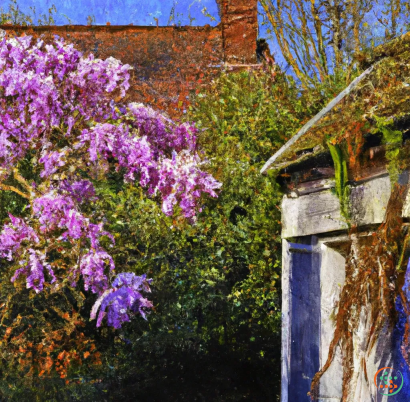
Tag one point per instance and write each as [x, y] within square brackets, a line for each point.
[383, 94]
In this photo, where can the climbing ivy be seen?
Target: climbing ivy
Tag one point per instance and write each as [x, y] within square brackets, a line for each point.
[393, 139]
[341, 178]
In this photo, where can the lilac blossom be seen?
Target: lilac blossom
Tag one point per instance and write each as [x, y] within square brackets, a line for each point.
[33, 268]
[92, 268]
[52, 161]
[182, 180]
[45, 86]
[178, 179]
[122, 298]
[56, 211]
[58, 104]
[13, 234]
[81, 190]
[163, 134]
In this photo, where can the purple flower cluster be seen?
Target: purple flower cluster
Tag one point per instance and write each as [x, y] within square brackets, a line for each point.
[163, 134]
[51, 161]
[57, 104]
[46, 86]
[60, 212]
[124, 296]
[13, 234]
[33, 268]
[176, 177]
[181, 181]
[108, 140]
[81, 190]
[92, 268]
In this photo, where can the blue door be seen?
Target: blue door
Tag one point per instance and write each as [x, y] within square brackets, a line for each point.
[305, 321]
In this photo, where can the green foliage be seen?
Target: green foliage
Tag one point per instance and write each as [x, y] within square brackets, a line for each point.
[214, 333]
[13, 15]
[216, 282]
[341, 177]
[393, 139]
[260, 110]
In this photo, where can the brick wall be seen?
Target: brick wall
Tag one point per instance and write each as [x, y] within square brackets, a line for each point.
[168, 62]
[239, 22]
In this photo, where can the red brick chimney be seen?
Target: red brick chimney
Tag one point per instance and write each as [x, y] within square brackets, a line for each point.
[239, 19]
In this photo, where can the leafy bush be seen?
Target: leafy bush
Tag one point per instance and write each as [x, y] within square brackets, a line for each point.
[61, 133]
[214, 333]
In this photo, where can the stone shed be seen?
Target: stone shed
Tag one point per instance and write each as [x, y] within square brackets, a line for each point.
[339, 175]
[169, 61]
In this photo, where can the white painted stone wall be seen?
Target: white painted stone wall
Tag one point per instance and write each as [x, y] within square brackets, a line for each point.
[318, 215]
[320, 212]
[332, 276]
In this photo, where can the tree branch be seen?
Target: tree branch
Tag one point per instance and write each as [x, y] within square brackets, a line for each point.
[14, 189]
[21, 180]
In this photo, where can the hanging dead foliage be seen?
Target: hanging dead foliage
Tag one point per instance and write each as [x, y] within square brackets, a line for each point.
[374, 278]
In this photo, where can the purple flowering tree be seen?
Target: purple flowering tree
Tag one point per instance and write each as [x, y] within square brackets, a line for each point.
[56, 108]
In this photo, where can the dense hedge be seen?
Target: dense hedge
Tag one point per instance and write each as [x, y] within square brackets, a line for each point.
[214, 333]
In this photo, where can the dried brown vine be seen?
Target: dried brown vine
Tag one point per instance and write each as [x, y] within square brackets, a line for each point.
[374, 279]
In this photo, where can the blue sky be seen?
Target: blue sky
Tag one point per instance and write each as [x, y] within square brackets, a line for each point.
[144, 12]
[124, 12]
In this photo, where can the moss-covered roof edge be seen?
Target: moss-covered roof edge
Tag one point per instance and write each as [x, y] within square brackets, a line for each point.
[315, 119]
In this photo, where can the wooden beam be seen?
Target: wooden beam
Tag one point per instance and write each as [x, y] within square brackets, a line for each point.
[315, 119]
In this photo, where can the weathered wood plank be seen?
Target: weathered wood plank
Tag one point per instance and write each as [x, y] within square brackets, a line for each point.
[320, 212]
[310, 214]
